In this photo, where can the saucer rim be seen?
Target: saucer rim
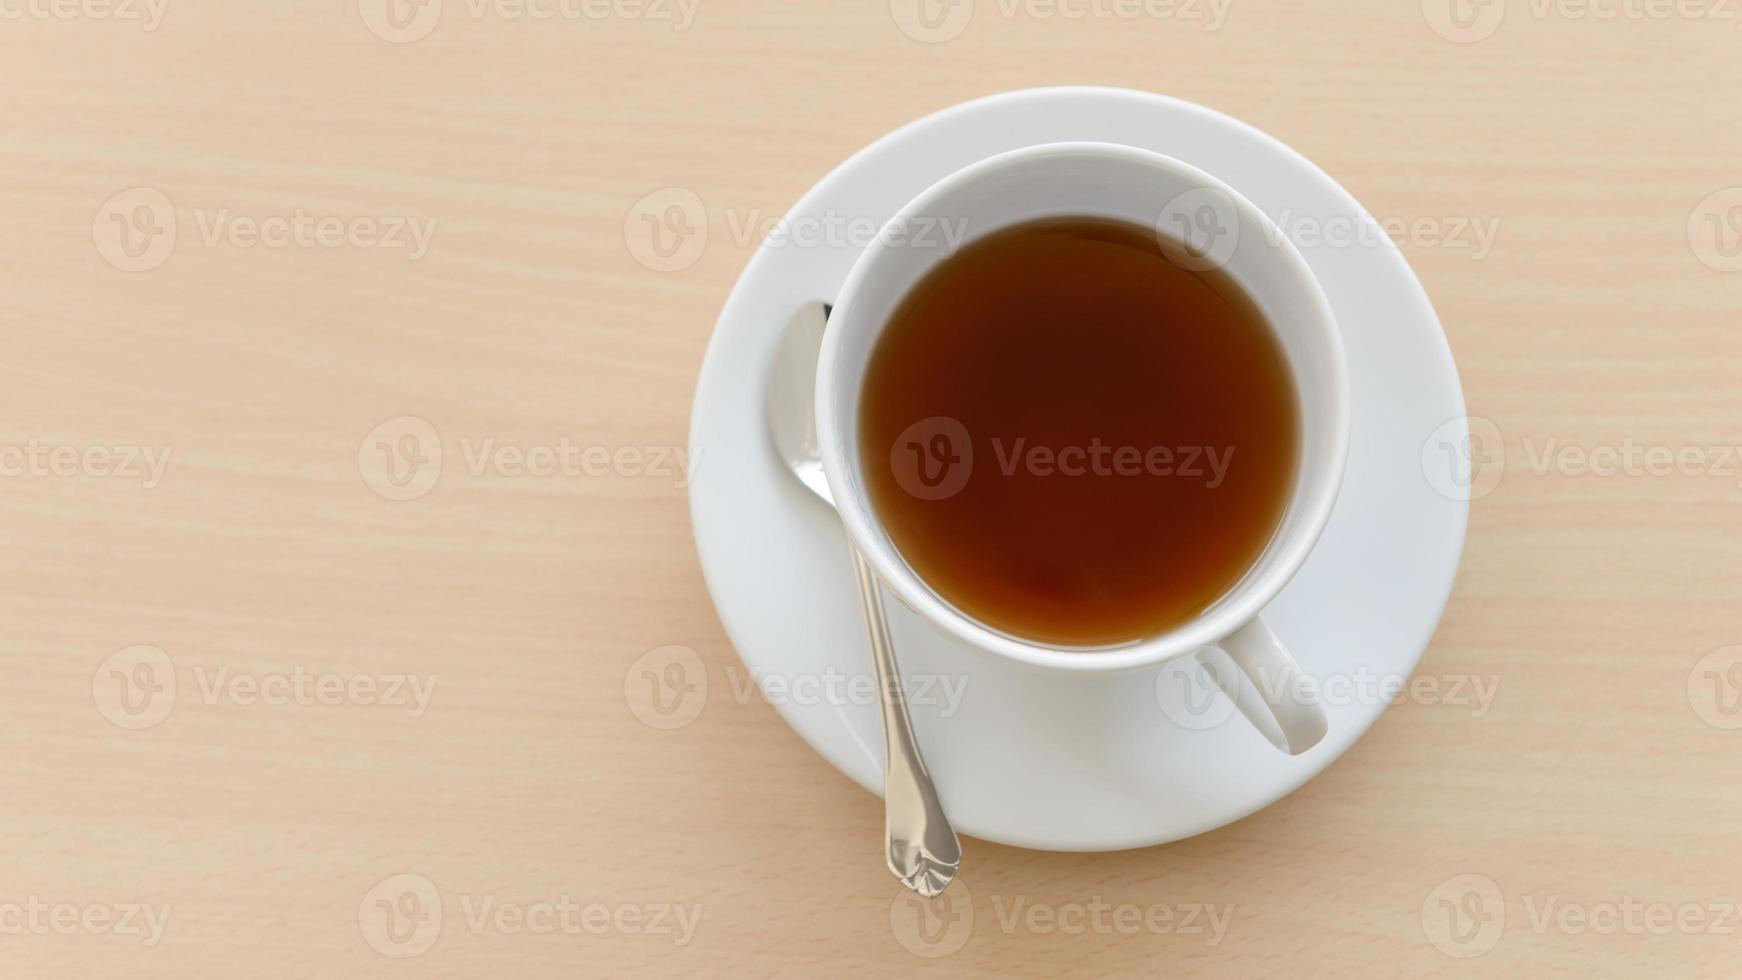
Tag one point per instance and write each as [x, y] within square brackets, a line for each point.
[1437, 350]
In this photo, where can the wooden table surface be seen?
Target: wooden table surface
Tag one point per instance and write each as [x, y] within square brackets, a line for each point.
[283, 701]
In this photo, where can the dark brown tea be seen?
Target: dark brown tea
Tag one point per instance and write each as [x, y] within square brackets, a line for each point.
[1073, 439]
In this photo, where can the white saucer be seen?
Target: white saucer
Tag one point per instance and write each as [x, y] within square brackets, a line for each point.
[1093, 762]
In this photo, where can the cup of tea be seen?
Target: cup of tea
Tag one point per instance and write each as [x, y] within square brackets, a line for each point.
[1100, 427]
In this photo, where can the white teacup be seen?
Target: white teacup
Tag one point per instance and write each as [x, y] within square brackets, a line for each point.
[1202, 223]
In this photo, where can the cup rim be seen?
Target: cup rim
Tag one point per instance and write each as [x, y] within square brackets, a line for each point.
[1315, 501]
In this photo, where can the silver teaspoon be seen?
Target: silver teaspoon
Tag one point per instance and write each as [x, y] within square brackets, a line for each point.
[922, 847]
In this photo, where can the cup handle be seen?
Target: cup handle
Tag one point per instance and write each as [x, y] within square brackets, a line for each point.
[1291, 724]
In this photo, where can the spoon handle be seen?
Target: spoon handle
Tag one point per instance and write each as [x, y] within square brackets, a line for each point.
[922, 847]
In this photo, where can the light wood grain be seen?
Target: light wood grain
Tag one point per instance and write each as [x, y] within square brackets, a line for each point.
[530, 321]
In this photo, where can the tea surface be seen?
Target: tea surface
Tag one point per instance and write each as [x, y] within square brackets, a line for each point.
[1074, 440]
